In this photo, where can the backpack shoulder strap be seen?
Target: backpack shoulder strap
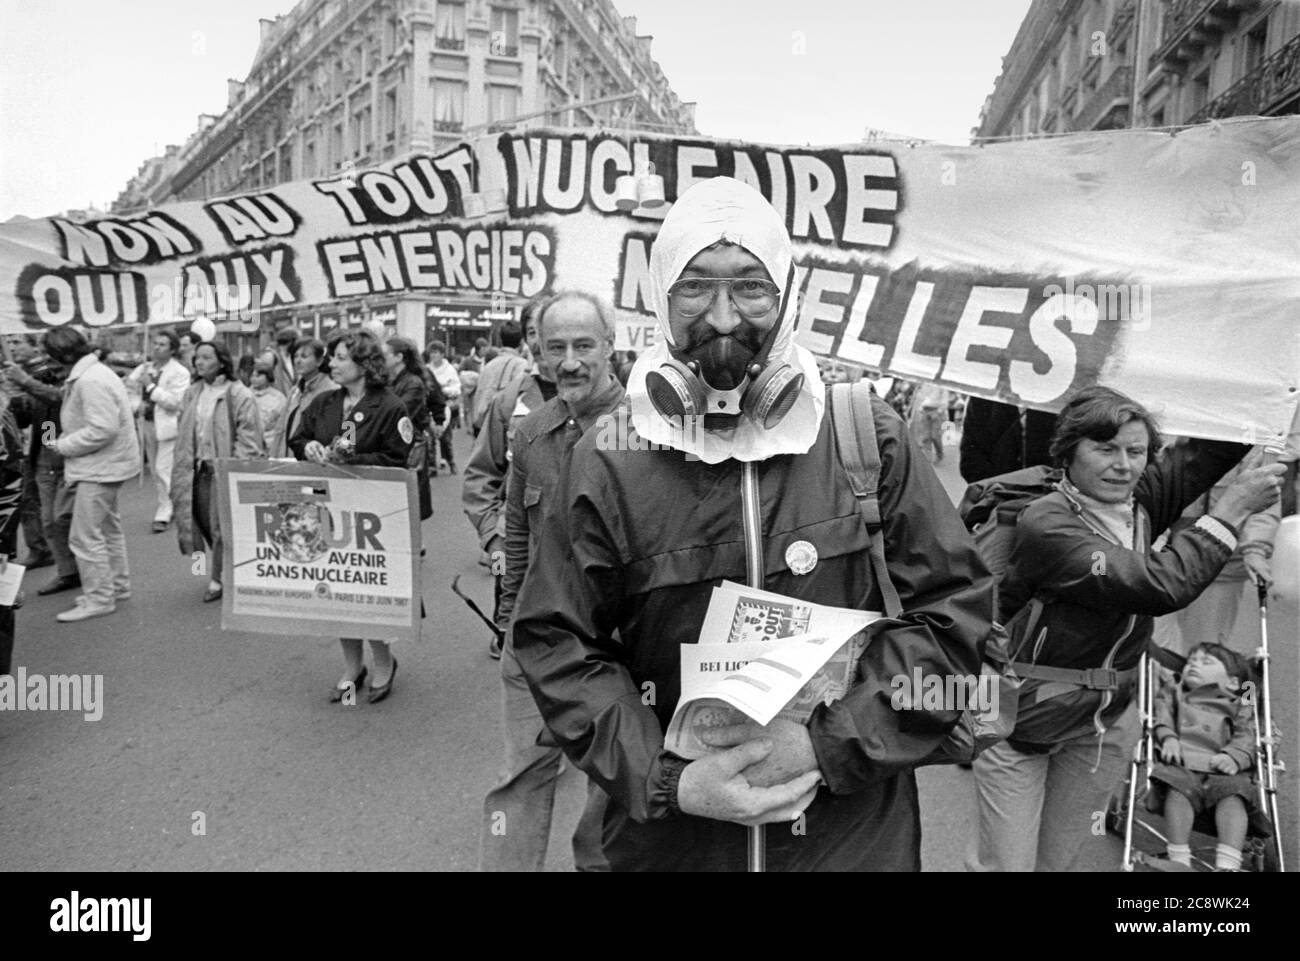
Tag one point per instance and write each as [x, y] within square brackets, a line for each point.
[855, 438]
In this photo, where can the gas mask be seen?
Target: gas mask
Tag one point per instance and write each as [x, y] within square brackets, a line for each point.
[725, 377]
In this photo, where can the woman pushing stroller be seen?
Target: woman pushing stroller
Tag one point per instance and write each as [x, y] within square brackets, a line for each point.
[1078, 596]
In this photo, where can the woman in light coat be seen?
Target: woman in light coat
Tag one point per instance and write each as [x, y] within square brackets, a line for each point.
[219, 418]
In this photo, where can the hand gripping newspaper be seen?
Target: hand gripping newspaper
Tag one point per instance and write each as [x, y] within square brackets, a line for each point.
[764, 656]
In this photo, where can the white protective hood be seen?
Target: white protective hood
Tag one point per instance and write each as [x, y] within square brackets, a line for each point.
[726, 209]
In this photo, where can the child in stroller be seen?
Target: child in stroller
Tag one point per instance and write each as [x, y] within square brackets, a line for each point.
[1205, 730]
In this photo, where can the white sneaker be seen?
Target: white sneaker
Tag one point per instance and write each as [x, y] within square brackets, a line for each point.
[80, 599]
[84, 612]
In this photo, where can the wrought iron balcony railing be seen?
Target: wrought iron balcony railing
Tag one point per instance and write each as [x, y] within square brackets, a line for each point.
[1262, 91]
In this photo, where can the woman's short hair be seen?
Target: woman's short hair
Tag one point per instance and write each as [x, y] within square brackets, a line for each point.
[317, 347]
[363, 348]
[409, 353]
[223, 357]
[1098, 413]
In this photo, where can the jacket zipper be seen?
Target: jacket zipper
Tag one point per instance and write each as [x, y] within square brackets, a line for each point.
[1139, 543]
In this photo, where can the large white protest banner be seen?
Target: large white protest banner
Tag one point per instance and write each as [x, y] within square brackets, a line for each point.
[320, 549]
[1163, 264]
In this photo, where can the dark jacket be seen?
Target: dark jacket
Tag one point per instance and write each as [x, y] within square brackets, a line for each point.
[483, 494]
[992, 442]
[38, 405]
[622, 577]
[1103, 595]
[11, 481]
[539, 453]
[412, 390]
[377, 434]
[437, 401]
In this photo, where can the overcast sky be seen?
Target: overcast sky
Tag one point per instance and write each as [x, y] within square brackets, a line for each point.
[88, 92]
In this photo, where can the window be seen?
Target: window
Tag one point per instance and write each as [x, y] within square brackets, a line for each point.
[1198, 92]
[309, 160]
[503, 103]
[559, 57]
[505, 32]
[448, 105]
[390, 115]
[336, 146]
[363, 138]
[1158, 117]
[449, 26]
[1256, 45]
[390, 36]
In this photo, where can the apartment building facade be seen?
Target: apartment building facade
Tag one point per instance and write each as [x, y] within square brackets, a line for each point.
[337, 85]
[1105, 64]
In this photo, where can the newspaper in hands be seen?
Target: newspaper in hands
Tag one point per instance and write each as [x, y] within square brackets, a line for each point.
[761, 656]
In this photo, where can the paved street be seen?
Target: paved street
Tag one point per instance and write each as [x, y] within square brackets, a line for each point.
[237, 726]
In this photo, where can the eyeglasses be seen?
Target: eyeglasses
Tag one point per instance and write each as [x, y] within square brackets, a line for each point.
[751, 296]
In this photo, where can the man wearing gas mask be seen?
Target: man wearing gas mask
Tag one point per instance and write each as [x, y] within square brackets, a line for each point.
[724, 465]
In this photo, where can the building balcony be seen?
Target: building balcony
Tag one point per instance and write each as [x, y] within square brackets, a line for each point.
[1264, 91]
[1107, 107]
[1192, 25]
[448, 43]
[1121, 19]
[448, 126]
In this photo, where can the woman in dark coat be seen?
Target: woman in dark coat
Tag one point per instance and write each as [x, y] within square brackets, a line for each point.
[1084, 553]
[362, 423]
[408, 379]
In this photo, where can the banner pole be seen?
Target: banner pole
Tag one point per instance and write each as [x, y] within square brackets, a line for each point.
[753, 526]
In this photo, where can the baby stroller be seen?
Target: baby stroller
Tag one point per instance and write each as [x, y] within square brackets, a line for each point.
[1263, 847]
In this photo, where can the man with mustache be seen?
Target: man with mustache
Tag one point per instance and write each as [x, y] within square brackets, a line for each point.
[576, 339]
[724, 465]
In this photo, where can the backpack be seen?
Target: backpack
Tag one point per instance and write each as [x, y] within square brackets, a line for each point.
[991, 509]
[855, 438]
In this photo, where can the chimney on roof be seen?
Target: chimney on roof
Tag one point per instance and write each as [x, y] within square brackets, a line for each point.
[267, 26]
[234, 92]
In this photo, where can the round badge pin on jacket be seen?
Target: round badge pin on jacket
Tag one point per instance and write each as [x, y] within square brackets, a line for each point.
[801, 557]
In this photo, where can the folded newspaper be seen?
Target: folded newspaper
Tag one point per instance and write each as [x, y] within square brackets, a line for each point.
[762, 656]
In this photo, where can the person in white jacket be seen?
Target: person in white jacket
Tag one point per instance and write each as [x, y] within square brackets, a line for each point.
[162, 383]
[100, 451]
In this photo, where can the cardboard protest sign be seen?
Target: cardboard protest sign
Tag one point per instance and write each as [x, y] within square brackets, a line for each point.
[312, 549]
[1162, 265]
